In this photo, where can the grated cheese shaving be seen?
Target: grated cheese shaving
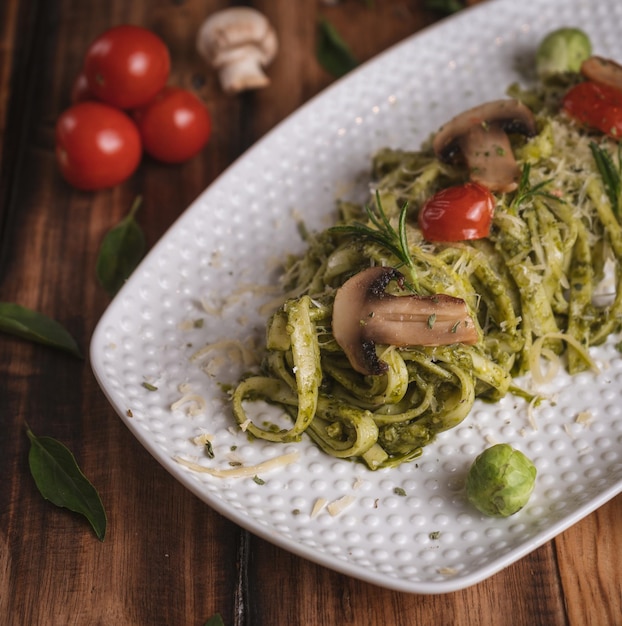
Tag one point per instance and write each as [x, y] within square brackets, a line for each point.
[339, 506]
[234, 349]
[585, 418]
[196, 404]
[491, 440]
[447, 571]
[358, 483]
[243, 471]
[531, 413]
[202, 439]
[235, 296]
[320, 503]
[538, 351]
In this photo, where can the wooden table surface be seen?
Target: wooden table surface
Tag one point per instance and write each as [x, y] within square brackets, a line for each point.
[168, 558]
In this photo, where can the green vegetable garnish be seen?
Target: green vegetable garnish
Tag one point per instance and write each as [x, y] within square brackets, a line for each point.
[500, 481]
[444, 6]
[60, 480]
[215, 620]
[383, 233]
[562, 50]
[610, 173]
[209, 450]
[332, 53]
[23, 322]
[121, 250]
[526, 191]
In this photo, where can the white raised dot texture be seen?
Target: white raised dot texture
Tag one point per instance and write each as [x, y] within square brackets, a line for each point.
[428, 539]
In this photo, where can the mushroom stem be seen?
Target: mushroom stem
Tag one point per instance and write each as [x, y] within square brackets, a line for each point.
[244, 73]
[419, 321]
[239, 42]
[479, 137]
[364, 314]
[489, 158]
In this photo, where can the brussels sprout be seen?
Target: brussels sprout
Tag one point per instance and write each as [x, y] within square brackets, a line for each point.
[562, 50]
[500, 481]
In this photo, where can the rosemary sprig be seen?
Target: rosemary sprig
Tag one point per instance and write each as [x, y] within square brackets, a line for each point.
[525, 191]
[611, 175]
[395, 241]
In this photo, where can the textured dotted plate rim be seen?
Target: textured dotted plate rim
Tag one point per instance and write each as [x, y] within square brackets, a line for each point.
[407, 529]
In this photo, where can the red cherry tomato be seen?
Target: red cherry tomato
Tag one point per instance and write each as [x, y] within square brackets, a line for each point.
[97, 146]
[457, 213]
[597, 106]
[126, 66]
[174, 126]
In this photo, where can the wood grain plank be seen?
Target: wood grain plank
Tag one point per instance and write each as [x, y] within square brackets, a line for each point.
[163, 543]
[168, 559]
[19, 32]
[589, 556]
[528, 591]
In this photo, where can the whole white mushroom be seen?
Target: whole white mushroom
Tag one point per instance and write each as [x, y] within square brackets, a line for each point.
[238, 42]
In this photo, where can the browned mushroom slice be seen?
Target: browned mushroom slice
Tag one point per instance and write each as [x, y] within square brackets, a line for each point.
[479, 137]
[364, 314]
[603, 71]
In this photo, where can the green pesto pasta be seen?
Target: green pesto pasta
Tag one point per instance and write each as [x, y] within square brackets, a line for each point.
[529, 288]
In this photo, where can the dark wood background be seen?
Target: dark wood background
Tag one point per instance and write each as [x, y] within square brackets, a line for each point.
[168, 559]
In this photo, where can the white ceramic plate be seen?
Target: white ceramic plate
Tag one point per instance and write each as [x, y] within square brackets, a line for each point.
[429, 540]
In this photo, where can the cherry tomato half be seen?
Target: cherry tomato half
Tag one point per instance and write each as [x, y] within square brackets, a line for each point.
[457, 213]
[126, 66]
[97, 146]
[174, 126]
[597, 106]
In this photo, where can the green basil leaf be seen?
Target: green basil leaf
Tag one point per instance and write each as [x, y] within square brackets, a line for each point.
[60, 480]
[215, 620]
[121, 251]
[28, 324]
[444, 6]
[332, 52]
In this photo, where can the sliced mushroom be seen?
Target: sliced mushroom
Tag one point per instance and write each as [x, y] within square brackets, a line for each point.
[239, 42]
[479, 137]
[364, 315]
[603, 71]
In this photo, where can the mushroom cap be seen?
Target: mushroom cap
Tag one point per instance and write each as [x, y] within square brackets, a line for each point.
[602, 71]
[350, 309]
[228, 33]
[363, 314]
[508, 114]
